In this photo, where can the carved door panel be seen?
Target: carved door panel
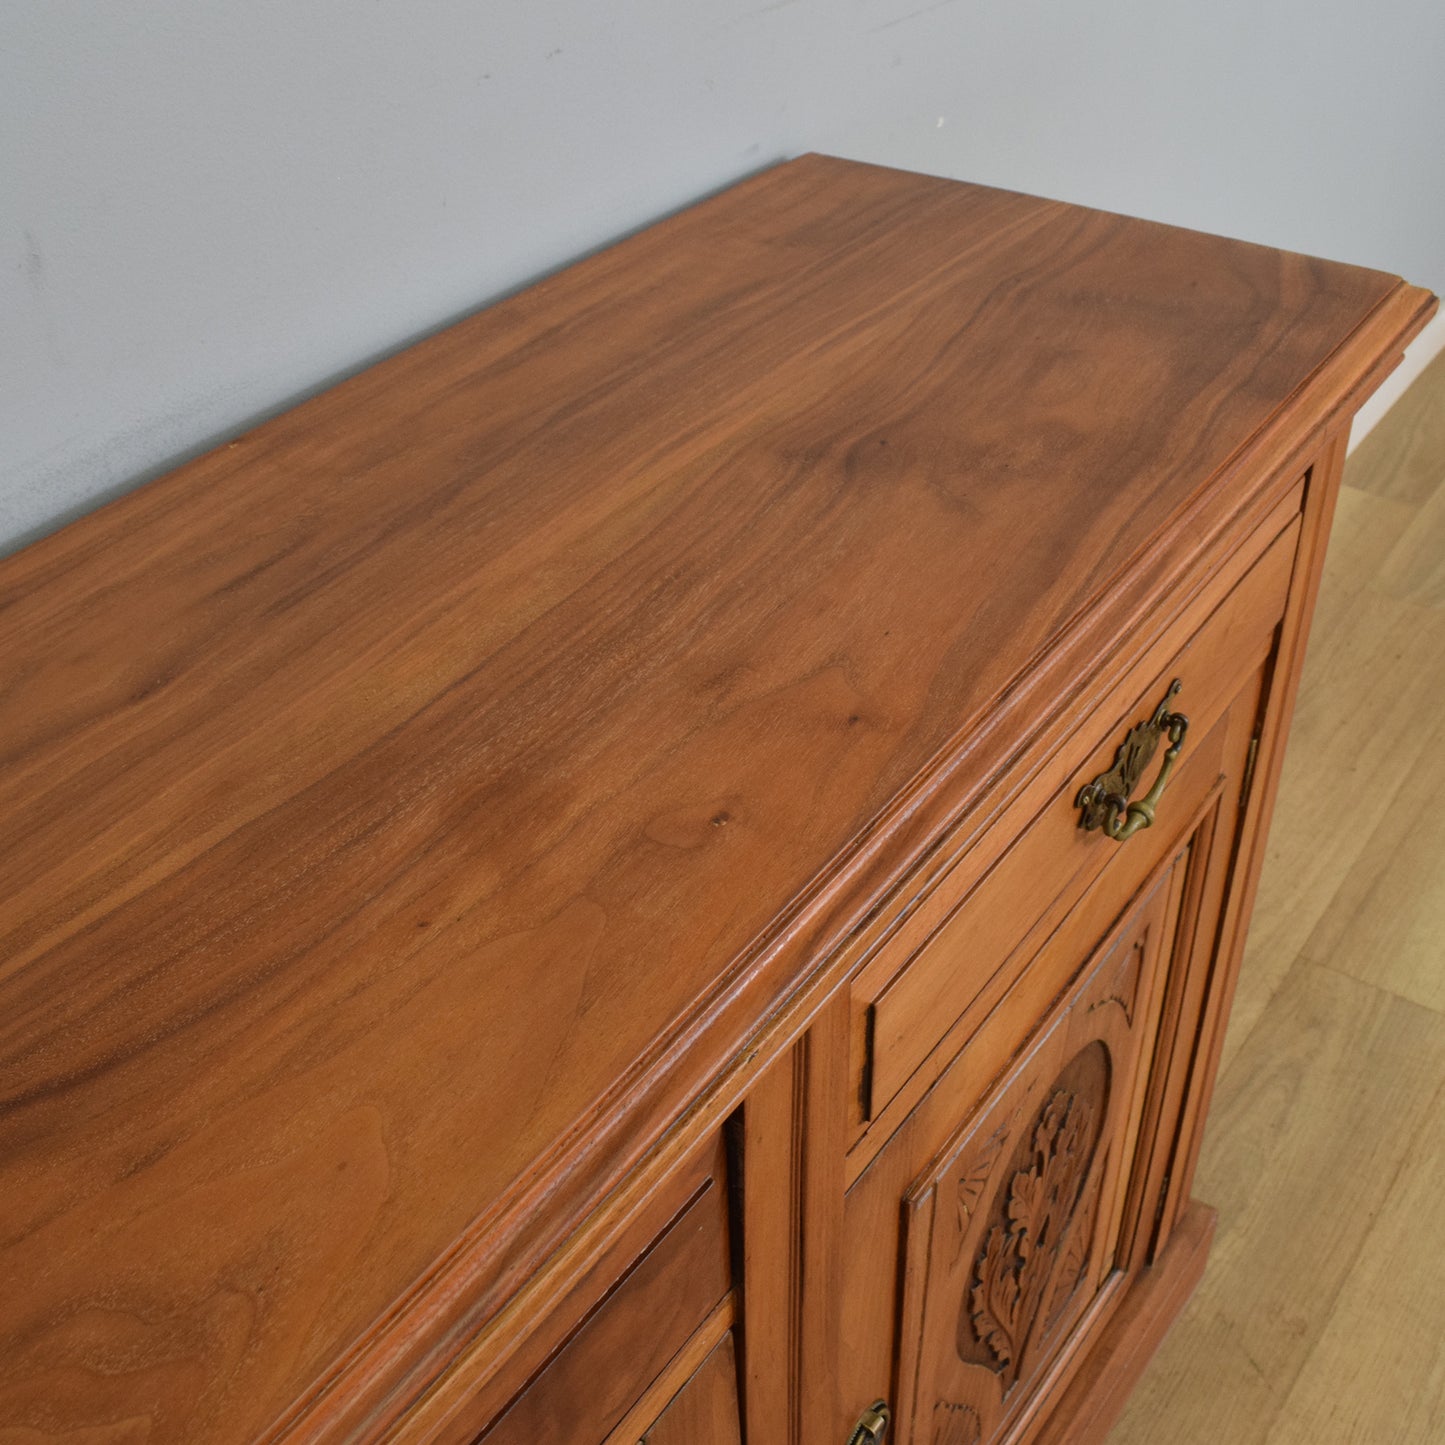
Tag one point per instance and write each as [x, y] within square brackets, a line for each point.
[1010, 1233]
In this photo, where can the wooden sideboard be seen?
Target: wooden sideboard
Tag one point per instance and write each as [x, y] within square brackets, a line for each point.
[545, 892]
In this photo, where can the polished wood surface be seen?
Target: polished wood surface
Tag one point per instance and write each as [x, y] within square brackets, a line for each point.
[705, 1411]
[624, 1342]
[1320, 1315]
[428, 816]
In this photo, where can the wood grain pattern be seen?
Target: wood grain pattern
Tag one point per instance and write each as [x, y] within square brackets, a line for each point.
[659, 1395]
[1414, 571]
[412, 806]
[1362, 534]
[624, 1342]
[1340, 731]
[1322, 1106]
[1378, 1367]
[1196, 996]
[1386, 922]
[705, 1411]
[1256, 804]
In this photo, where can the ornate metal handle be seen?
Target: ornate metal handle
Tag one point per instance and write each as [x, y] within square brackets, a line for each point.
[1105, 801]
[872, 1425]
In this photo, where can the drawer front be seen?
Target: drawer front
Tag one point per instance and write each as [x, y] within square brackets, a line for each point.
[705, 1410]
[921, 984]
[624, 1342]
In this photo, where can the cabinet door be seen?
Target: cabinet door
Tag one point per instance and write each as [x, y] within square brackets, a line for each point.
[1010, 1233]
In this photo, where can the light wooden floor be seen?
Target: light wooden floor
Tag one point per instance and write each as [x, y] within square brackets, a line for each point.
[1321, 1318]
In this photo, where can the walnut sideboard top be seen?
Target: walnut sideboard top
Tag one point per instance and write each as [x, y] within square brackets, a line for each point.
[413, 809]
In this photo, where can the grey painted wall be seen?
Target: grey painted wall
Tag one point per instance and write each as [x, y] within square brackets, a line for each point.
[209, 209]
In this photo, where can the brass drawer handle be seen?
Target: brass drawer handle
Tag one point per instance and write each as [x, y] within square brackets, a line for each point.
[1105, 801]
[872, 1425]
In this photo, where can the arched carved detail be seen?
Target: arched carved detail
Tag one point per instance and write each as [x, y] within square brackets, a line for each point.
[955, 1424]
[1124, 989]
[972, 1182]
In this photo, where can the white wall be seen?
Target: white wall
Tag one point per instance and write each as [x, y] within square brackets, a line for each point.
[209, 210]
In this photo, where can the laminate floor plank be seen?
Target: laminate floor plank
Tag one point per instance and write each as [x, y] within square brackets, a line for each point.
[1414, 571]
[1311, 1126]
[1365, 532]
[1378, 1370]
[1386, 923]
[1403, 456]
[1375, 669]
[1361, 728]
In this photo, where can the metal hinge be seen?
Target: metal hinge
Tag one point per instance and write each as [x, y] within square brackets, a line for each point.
[1159, 1215]
[1249, 770]
[872, 1425]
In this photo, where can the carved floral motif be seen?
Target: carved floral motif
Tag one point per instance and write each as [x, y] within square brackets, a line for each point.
[1017, 1264]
